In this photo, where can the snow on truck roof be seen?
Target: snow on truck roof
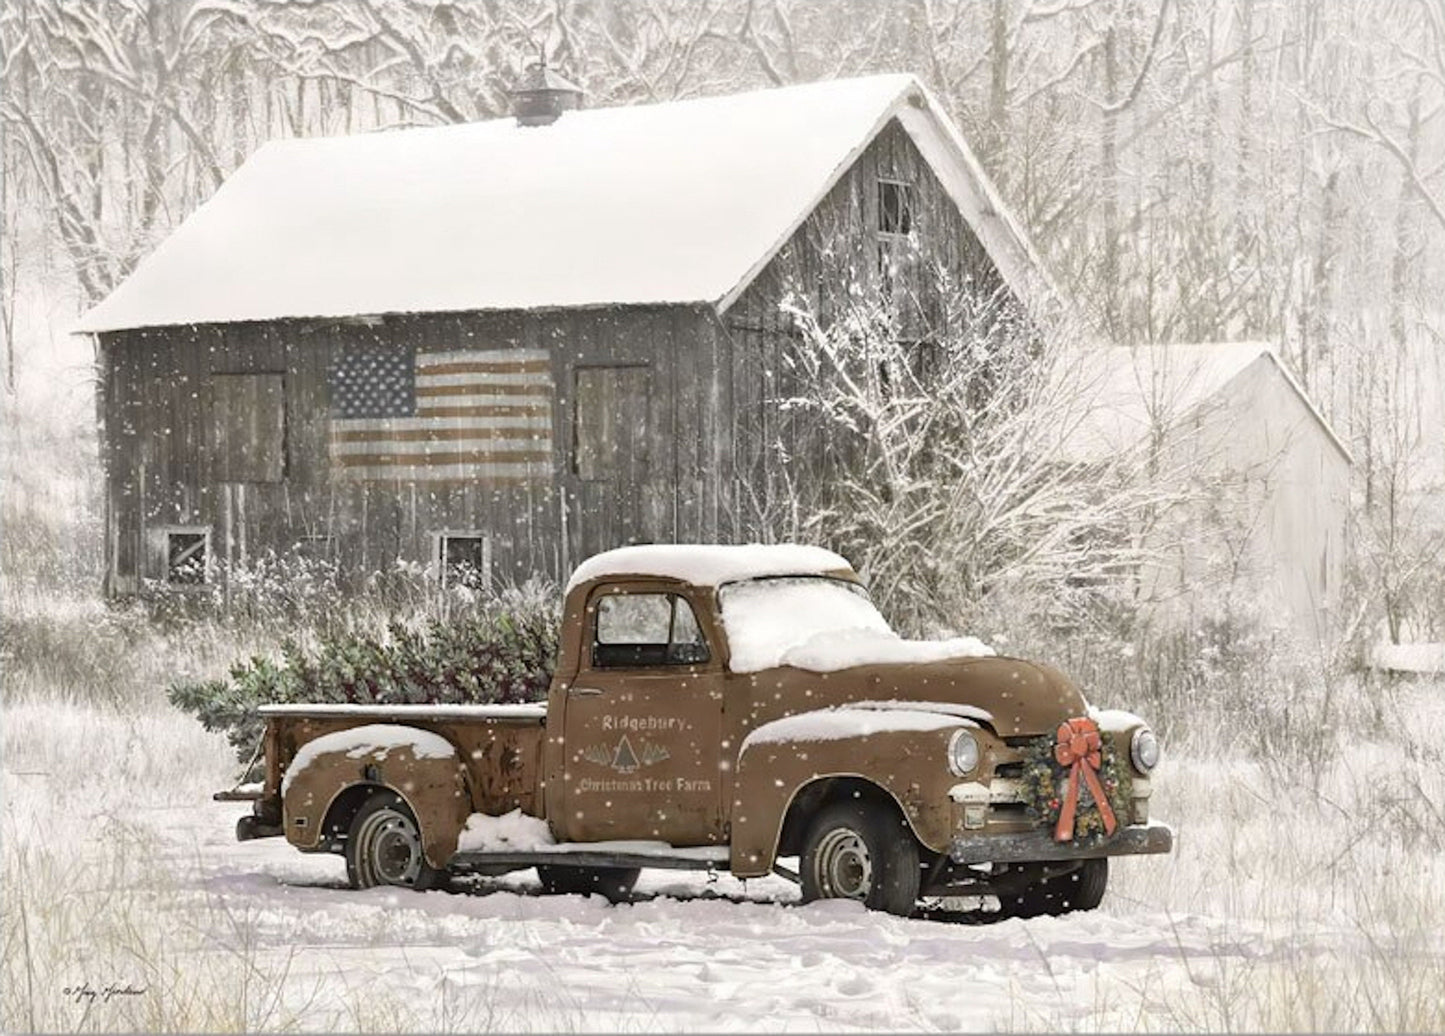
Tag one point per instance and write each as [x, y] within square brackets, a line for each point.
[680, 202]
[710, 564]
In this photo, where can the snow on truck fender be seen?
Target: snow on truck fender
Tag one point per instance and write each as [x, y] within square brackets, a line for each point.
[902, 751]
[420, 766]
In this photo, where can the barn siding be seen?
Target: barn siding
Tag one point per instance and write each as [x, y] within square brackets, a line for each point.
[161, 446]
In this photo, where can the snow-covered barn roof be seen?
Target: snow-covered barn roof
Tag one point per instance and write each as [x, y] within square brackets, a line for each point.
[1126, 390]
[681, 202]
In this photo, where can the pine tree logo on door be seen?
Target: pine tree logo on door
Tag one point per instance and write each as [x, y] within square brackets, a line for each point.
[623, 757]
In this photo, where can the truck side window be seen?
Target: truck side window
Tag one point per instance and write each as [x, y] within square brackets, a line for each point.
[646, 630]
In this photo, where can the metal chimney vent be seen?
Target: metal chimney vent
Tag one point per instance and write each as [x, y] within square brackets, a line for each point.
[543, 95]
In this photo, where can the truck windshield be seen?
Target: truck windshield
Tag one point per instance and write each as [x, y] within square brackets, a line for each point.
[767, 618]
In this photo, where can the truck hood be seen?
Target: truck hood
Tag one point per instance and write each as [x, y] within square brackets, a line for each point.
[1011, 696]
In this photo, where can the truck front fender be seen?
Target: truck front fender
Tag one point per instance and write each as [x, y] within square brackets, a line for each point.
[784, 764]
[331, 777]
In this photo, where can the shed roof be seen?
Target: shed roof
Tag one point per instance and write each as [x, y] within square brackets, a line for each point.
[1127, 390]
[680, 202]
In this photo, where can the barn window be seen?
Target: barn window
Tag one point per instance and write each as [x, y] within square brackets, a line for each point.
[464, 559]
[248, 427]
[609, 429]
[895, 207]
[188, 555]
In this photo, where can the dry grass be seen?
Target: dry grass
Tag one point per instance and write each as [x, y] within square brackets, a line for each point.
[1336, 879]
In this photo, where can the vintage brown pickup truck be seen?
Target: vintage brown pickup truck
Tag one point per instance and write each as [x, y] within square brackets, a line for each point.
[731, 707]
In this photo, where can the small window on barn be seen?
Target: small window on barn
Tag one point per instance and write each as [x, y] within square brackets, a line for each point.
[248, 427]
[609, 427]
[895, 208]
[464, 559]
[188, 555]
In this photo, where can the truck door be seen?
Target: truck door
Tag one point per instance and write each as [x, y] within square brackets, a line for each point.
[642, 724]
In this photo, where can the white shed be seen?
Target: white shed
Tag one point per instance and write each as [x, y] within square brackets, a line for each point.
[1263, 478]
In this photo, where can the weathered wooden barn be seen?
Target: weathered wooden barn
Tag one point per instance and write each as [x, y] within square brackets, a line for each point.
[511, 344]
[1263, 481]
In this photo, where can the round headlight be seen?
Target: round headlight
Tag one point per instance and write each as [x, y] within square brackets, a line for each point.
[1144, 750]
[963, 753]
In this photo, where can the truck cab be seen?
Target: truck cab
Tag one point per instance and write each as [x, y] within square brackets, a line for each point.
[731, 707]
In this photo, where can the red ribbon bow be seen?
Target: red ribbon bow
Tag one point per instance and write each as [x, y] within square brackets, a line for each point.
[1079, 747]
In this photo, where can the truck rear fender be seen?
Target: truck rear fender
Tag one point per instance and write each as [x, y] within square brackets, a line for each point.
[321, 797]
[780, 786]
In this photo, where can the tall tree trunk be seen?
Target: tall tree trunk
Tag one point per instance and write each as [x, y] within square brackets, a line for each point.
[1206, 319]
[1109, 182]
[998, 113]
[1402, 259]
[1244, 180]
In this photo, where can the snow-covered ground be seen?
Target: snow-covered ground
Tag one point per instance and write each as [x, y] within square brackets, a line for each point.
[686, 953]
[121, 871]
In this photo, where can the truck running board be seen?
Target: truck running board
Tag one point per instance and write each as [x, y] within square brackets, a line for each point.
[703, 859]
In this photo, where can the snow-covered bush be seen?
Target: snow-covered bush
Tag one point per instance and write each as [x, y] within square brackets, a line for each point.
[953, 482]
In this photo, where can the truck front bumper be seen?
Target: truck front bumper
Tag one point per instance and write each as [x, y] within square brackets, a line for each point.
[1038, 846]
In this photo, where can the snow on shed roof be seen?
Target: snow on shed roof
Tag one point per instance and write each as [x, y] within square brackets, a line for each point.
[710, 564]
[1127, 389]
[681, 202]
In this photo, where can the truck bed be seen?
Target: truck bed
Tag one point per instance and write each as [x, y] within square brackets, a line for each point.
[501, 745]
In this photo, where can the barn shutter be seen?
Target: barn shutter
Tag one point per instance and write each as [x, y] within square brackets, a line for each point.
[248, 436]
[610, 427]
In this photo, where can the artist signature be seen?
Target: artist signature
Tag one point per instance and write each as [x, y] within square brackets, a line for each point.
[87, 994]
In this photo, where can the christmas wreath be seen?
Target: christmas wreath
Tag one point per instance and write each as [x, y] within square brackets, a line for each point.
[1065, 777]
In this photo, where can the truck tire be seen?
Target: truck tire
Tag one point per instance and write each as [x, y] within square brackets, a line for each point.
[383, 846]
[858, 850]
[613, 882]
[1082, 889]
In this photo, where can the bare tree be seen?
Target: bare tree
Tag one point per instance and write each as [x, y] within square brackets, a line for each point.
[952, 479]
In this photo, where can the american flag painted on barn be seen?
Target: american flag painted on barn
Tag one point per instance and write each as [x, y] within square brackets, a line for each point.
[480, 415]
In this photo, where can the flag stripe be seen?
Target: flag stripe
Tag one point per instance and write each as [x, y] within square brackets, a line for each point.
[489, 475]
[442, 410]
[446, 433]
[519, 370]
[346, 451]
[512, 357]
[471, 388]
[486, 456]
